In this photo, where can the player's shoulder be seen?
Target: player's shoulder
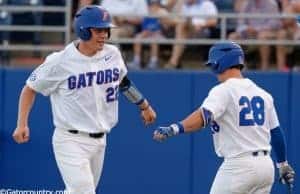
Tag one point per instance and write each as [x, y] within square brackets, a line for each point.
[260, 88]
[262, 91]
[56, 58]
[59, 55]
[112, 50]
[268, 95]
[53, 58]
[220, 88]
[111, 47]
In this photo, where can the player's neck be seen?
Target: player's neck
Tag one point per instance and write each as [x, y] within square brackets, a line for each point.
[230, 73]
[86, 49]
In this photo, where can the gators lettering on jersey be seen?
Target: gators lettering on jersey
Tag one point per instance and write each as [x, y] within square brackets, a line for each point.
[76, 83]
[83, 80]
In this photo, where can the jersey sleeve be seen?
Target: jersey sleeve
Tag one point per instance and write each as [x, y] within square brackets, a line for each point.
[123, 67]
[216, 101]
[45, 78]
[273, 118]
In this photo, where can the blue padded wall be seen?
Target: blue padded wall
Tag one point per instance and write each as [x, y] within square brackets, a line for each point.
[295, 126]
[2, 91]
[30, 165]
[134, 163]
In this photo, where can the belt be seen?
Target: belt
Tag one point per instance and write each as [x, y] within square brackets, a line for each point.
[93, 135]
[260, 152]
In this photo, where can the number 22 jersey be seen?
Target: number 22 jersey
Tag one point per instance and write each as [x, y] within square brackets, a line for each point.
[83, 90]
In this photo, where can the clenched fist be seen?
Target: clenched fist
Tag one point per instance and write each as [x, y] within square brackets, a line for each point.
[21, 134]
[148, 115]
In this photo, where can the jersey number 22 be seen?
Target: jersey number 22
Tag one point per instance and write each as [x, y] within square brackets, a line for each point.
[112, 94]
[253, 111]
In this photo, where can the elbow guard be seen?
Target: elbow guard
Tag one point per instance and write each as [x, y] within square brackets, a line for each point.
[129, 90]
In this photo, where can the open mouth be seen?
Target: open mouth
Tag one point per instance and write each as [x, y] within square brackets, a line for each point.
[100, 42]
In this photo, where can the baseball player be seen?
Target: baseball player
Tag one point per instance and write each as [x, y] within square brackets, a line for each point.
[83, 81]
[243, 121]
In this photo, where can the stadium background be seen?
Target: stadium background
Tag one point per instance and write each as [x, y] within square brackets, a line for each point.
[134, 163]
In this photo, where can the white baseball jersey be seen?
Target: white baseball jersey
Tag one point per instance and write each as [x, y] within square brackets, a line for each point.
[83, 90]
[243, 115]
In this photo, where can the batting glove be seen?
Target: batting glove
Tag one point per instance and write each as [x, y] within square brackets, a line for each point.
[162, 133]
[286, 174]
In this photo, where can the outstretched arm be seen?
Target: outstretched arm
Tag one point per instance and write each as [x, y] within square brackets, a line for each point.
[27, 97]
[191, 123]
[130, 91]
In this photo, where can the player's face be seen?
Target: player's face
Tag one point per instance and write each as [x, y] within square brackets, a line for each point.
[98, 38]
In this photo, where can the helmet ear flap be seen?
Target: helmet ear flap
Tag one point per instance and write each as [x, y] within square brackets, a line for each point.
[84, 33]
[215, 67]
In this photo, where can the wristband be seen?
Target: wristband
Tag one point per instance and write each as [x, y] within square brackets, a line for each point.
[178, 128]
[281, 164]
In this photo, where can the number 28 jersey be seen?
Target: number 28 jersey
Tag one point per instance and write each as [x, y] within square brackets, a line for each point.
[83, 90]
[243, 115]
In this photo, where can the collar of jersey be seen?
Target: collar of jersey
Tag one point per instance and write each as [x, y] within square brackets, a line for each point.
[79, 55]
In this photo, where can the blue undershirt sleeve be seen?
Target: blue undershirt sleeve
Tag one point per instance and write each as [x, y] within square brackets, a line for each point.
[278, 144]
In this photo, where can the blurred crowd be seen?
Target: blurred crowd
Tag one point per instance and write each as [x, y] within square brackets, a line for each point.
[279, 57]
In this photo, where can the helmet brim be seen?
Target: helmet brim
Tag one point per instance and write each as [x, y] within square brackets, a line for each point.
[108, 25]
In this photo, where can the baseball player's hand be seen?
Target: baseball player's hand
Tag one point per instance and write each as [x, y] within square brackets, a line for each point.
[148, 115]
[21, 134]
[162, 133]
[286, 174]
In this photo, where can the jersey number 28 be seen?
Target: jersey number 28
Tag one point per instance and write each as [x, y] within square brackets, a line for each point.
[252, 112]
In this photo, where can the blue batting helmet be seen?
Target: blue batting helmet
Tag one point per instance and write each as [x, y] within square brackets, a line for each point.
[91, 17]
[224, 55]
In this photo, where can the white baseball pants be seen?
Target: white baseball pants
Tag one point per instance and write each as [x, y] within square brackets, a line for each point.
[247, 174]
[79, 159]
